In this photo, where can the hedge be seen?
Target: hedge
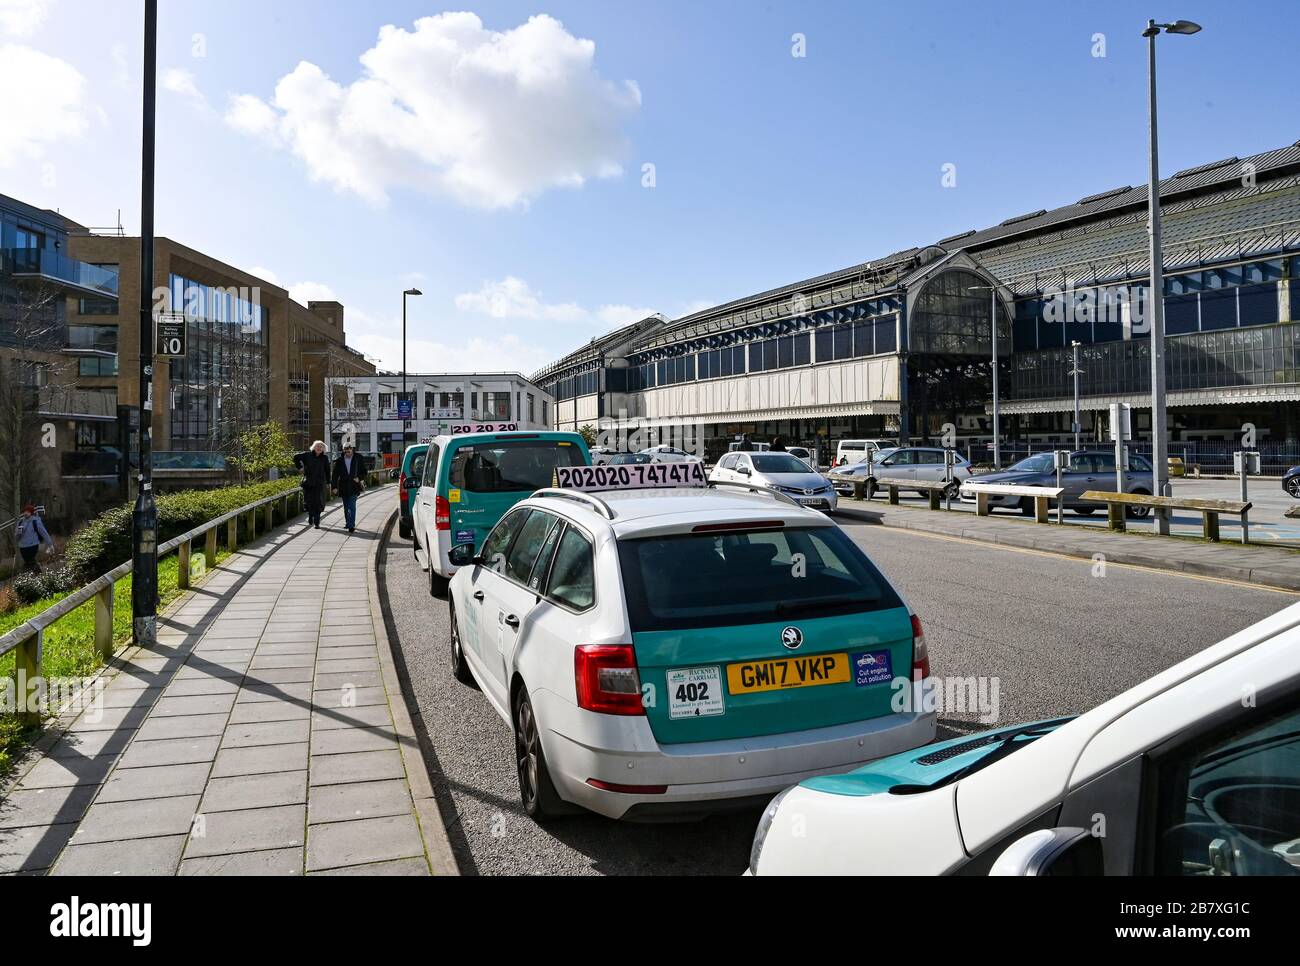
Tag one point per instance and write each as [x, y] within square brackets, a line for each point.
[105, 541]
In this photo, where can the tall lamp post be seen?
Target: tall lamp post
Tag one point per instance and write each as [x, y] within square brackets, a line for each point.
[144, 516]
[1159, 462]
[406, 423]
[993, 317]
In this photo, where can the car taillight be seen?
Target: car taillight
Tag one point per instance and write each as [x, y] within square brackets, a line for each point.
[401, 487]
[441, 513]
[920, 653]
[607, 679]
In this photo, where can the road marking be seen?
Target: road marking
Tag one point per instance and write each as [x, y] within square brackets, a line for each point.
[1085, 561]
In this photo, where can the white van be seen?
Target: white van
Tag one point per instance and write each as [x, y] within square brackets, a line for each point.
[856, 450]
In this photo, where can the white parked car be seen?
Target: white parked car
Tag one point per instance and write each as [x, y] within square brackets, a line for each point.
[850, 451]
[670, 454]
[781, 472]
[803, 453]
[1195, 771]
[904, 463]
[678, 651]
[600, 455]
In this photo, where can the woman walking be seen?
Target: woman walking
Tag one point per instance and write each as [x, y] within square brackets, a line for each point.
[31, 533]
[315, 466]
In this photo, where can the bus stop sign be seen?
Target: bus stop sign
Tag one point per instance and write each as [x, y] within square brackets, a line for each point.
[169, 333]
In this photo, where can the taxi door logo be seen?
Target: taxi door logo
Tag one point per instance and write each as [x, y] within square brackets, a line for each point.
[791, 638]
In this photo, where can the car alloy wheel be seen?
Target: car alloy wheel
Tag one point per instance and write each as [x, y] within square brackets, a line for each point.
[459, 669]
[536, 791]
[1292, 484]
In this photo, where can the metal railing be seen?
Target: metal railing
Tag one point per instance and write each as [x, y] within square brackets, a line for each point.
[27, 639]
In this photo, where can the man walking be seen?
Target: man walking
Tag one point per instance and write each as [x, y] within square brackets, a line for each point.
[31, 533]
[349, 481]
[315, 466]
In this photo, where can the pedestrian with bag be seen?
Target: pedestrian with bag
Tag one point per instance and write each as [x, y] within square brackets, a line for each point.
[315, 466]
[30, 534]
[349, 481]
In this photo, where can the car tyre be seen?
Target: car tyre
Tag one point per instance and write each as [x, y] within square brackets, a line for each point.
[1292, 485]
[404, 529]
[1085, 511]
[871, 488]
[1138, 512]
[536, 790]
[1027, 505]
[459, 668]
[953, 489]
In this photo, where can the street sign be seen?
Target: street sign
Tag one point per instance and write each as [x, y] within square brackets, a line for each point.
[169, 332]
[1121, 422]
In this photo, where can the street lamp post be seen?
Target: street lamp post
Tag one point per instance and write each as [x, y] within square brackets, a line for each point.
[406, 423]
[1156, 294]
[144, 515]
[1074, 371]
[993, 319]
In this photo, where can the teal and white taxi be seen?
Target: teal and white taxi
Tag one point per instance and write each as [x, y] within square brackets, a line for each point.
[663, 645]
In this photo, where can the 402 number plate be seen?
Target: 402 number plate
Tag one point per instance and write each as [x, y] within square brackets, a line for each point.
[695, 692]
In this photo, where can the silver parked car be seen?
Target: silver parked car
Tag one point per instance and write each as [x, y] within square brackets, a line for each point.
[778, 471]
[1088, 470]
[903, 463]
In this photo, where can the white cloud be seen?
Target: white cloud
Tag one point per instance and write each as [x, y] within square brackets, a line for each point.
[513, 298]
[304, 292]
[22, 18]
[506, 353]
[182, 82]
[46, 101]
[491, 118]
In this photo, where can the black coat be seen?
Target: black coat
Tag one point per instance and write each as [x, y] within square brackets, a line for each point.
[315, 469]
[350, 484]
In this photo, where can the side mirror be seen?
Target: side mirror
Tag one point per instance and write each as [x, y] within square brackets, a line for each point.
[413, 483]
[1052, 851]
[462, 555]
[743, 470]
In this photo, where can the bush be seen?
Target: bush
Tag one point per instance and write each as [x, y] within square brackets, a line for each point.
[30, 586]
[105, 541]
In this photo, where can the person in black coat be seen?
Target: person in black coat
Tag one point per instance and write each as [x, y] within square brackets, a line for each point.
[349, 480]
[315, 466]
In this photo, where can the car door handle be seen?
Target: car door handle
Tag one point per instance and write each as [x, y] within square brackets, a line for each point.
[478, 595]
[512, 621]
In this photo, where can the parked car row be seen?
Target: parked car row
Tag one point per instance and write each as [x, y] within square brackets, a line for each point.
[663, 643]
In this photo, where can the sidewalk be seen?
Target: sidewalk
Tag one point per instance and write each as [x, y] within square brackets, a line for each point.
[264, 734]
[1267, 565]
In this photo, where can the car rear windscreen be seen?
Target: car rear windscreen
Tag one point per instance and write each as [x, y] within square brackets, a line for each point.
[691, 580]
[511, 466]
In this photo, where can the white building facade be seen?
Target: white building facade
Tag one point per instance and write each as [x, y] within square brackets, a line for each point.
[369, 410]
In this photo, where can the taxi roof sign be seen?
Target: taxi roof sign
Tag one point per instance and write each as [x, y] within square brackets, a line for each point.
[630, 476]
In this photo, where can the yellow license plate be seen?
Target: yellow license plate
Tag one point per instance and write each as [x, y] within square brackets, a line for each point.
[789, 672]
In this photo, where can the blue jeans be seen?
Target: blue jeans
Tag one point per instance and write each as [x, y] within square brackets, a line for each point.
[350, 511]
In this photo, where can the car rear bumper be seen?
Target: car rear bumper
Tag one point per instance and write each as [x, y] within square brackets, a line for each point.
[704, 776]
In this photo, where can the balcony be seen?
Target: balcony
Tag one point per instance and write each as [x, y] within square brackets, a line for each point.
[62, 402]
[90, 464]
[51, 265]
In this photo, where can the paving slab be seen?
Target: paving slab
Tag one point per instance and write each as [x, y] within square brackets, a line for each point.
[264, 706]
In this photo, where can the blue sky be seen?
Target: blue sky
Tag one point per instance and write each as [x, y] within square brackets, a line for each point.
[524, 218]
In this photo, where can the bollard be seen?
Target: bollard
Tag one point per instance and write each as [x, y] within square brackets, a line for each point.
[27, 670]
[183, 565]
[104, 621]
[210, 548]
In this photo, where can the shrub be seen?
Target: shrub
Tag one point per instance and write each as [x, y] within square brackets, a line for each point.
[105, 541]
[27, 587]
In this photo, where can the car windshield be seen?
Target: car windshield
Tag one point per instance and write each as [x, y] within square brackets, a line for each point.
[630, 458]
[1038, 463]
[778, 463]
[750, 577]
[511, 466]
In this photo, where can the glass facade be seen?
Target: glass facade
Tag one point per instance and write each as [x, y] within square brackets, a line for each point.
[1258, 356]
[951, 319]
[220, 388]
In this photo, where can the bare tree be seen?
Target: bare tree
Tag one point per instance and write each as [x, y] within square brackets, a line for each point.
[30, 339]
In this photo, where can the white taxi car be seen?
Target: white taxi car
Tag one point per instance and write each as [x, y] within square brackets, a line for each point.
[1195, 771]
[680, 650]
